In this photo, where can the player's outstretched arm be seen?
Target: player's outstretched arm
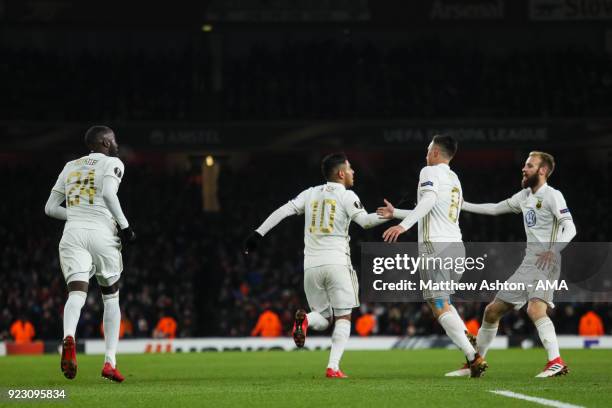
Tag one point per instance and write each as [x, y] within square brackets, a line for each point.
[252, 241]
[487, 209]
[54, 208]
[427, 202]
[389, 211]
[367, 221]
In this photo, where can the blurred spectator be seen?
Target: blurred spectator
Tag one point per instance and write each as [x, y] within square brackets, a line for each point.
[166, 328]
[472, 326]
[268, 325]
[22, 330]
[591, 325]
[365, 324]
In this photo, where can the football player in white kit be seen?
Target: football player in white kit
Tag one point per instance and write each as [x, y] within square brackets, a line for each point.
[439, 196]
[91, 244]
[549, 228]
[330, 282]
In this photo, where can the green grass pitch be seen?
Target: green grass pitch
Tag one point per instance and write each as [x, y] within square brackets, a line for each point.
[296, 379]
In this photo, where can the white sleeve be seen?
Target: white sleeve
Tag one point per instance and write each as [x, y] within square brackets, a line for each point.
[514, 202]
[401, 214]
[53, 207]
[428, 180]
[367, 221]
[558, 207]
[426, 203]
[60, 183]
[567, 233]
[299, 202]
[114, 169]
[353, 206]
[487, 209]
[277, 216]
[109, 194]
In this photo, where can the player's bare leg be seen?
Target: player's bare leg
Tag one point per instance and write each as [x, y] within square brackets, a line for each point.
[77, 294]
[112, 322]
[340, 335]
[537, 311]
[456, 331]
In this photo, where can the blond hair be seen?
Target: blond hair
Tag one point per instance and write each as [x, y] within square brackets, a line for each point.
[547, 160]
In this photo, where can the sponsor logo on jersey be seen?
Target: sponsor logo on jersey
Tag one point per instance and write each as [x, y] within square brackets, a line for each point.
[118, 172]
[564, 211]
[358, 205]
[427, 183]
[530, 218]
[539, 204]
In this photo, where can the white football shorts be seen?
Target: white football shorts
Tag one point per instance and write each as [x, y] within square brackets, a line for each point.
[85, 253]
[331, 289]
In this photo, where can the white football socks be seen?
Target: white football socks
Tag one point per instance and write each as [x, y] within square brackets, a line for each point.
[342, 331]
[112, 322]
[456, 313]
[316, 321]
[455, 329]
[546, 330]
[486, 335]
[72, 311]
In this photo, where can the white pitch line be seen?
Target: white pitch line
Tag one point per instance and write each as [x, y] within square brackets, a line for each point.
[537, 400]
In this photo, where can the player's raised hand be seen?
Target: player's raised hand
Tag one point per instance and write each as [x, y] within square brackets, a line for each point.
[252, 242]
[127, 236]
[385, 212]
[391, 234]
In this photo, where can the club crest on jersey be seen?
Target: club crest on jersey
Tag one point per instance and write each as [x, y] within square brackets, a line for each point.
[539, 203]
[118, 172]
[358, 205]
[530, 218]
[427, 183]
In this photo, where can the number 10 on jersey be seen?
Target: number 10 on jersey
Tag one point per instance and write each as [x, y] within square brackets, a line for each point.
[325, 226]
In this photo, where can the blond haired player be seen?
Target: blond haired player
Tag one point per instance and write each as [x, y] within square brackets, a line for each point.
[439, 196]
[330, 282]
[549, 228]
[90, 244]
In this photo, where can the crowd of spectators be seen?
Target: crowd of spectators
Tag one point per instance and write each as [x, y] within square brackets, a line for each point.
[188, 264]
[317, 79]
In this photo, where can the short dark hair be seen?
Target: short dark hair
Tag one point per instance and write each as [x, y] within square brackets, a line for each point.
[447, 144]
[95, 134]
[330, 164]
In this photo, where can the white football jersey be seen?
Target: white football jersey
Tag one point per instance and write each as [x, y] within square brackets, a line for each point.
[81, 181]
[442, 222]
[329, 210]
[542, 212]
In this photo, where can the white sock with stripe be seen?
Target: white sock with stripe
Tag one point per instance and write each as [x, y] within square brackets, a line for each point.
[455, 329]
[72, 311]
[342, 331]
[548, 336]
[486, 335]
[316, 321]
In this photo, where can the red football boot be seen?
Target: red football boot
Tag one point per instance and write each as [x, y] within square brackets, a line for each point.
[331, 373]
[69, 362]
[554, 368]
[112, 373]
[300, 327]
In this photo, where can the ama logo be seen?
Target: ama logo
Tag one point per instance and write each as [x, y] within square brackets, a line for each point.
[530, 218]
